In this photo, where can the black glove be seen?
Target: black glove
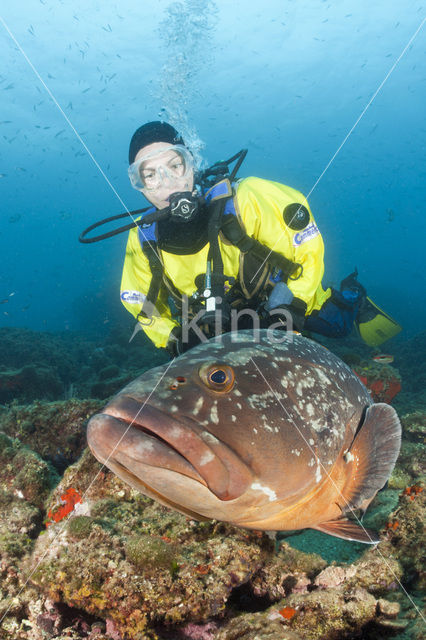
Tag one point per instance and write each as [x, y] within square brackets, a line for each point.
[290, 316]
[176, 346]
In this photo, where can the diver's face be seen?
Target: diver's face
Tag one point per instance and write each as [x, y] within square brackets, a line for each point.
[164, 171]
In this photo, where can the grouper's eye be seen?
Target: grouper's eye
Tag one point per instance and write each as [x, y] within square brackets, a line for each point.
[218, 377]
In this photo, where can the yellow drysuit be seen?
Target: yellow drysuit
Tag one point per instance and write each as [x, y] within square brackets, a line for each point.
[259, 205]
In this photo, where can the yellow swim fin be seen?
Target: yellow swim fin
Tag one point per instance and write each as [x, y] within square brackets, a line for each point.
[374, 325]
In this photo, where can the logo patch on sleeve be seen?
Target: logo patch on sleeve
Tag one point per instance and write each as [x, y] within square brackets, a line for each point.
[310, 232]
[132, 297]
[296, 216]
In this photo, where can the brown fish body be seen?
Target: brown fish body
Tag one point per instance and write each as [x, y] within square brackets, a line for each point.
[263, 434]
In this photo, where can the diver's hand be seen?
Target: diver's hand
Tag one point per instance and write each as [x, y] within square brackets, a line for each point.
[290, 317]
[177, 344]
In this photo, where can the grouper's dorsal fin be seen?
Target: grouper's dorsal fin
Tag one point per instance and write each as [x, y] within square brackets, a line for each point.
[372, 455]
[348, 530]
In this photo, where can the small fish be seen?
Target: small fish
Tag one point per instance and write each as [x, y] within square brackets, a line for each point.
[383, 358]
[275, 434]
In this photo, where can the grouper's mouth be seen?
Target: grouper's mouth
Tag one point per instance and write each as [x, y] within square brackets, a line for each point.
[133, 436]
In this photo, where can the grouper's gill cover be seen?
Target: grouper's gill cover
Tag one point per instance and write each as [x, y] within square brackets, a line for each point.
[267, 431]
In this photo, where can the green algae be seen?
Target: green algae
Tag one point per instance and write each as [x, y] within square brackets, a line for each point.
[15, 544]
[149, 554]
[79, 527]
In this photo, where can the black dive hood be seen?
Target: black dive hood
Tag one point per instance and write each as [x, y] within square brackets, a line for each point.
[184, 206]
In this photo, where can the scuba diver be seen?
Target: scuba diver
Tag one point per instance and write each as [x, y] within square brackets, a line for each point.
[213, 249]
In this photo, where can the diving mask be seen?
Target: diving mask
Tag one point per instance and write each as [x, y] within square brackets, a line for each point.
[166, 167]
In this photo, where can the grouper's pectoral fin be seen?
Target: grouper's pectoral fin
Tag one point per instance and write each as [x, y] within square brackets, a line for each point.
[368, 463]
[371, 457]
[348, 530]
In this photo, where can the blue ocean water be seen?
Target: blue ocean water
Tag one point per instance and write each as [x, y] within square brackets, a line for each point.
[328, 97]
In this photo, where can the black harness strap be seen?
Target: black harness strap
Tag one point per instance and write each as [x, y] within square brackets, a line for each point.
[157, 270]
[257, 260]
[234, 233]
[215, 256]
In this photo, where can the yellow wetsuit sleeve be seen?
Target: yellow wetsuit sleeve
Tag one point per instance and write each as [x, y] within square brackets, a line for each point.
[135, 283]
[261, 204]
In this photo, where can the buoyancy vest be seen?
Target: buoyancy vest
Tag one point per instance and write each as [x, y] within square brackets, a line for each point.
[258, 263]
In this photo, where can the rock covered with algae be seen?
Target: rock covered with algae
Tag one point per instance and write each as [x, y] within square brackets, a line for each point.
[405, 525]
[411, 467]
[125, 558]
[150, 573]
[55, 430]
[25, 483]
[117, 566]
[405, 531]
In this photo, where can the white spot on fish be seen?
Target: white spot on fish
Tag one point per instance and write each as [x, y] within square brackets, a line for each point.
[209, 437]
[310, 410]
[318, 475]
[296, 452]
[317, 425]
[322, 377]
[256, 486]
[348, 456]
[174, 408]
[234, 419]
[237, 392]
[207, 457]
[311, 442]
[144, 446]
[214, 416]
[198, 406]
